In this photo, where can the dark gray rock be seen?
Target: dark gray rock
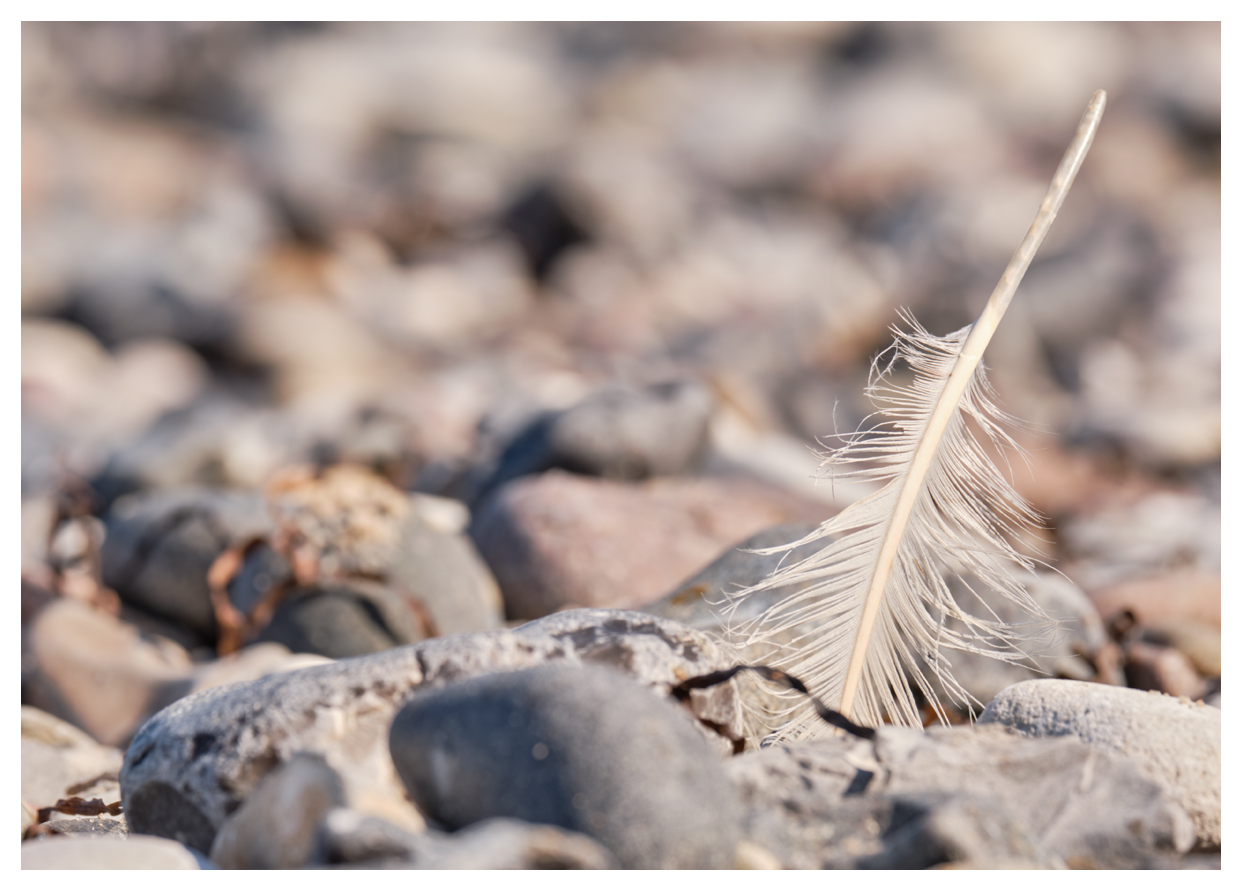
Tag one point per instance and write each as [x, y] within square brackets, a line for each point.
[338, 620]
[1173, 742]
[278, 826]
[194, 763]
[621, 433]
[579, 747]
[160, 545]
[978, 796]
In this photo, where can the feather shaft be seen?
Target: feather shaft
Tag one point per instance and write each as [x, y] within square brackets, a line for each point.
[963, 371]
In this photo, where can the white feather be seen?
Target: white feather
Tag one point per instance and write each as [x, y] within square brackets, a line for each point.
[874, 602]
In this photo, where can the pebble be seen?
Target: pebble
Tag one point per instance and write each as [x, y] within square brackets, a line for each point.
[1067, 648]
[191, 765]
[90, 852]
[970, 794]
[556, 539]
[1173, 742]
[160, 545]
[440, 565]
[618, 433]
[58, 757]
[89, 668]
[583, 748]
[500, 843]
[278, 825]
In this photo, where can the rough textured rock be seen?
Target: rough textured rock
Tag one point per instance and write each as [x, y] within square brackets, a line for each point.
[620, 433]
[57, 757]
[583, 748]
[1173, 742]
[160, 545]
[970, 794]
[278, 826]
[559, 539]
[135, 852]
[194, 763]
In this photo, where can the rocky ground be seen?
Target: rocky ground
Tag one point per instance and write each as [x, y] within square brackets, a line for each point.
[397, 401]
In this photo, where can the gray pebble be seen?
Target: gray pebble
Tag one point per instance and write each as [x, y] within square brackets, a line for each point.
[194, 763]
[160, 545]
[988, 793]
[278, 826]
[1173, 742]
[583, 748]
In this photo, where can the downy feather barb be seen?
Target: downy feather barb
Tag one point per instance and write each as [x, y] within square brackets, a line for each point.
[874, 604]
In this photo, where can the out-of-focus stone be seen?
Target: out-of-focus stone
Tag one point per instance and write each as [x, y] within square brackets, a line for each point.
[701, 600]
[57, 757]
[251, 663]
[160, 545]
[134, 852]
[1174, 743]
[1198, 641]
[1155, 600]
[1056, 650]
[1165, 669]
[192, 764]
[98, 673]
[616, 433]
[557, 539]
[579, 747]
[278, 826]
[341, 620]
[501, 843]
[347, 836]
[437, 563]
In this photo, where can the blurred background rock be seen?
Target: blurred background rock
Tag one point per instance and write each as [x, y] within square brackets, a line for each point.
[433, 250]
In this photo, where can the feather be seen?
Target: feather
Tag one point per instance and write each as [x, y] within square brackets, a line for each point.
[872, 603]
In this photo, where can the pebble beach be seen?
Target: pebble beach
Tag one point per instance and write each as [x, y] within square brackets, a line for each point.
[403, 404]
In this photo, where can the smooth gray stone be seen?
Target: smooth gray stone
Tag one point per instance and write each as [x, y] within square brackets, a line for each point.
[160, 545]
[579, 747]
[616, 432]
[278, 826]
[193, 764]
[445, 572]
[1174, 743]
[334, 620]
[1064, 799]
[701, 600]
